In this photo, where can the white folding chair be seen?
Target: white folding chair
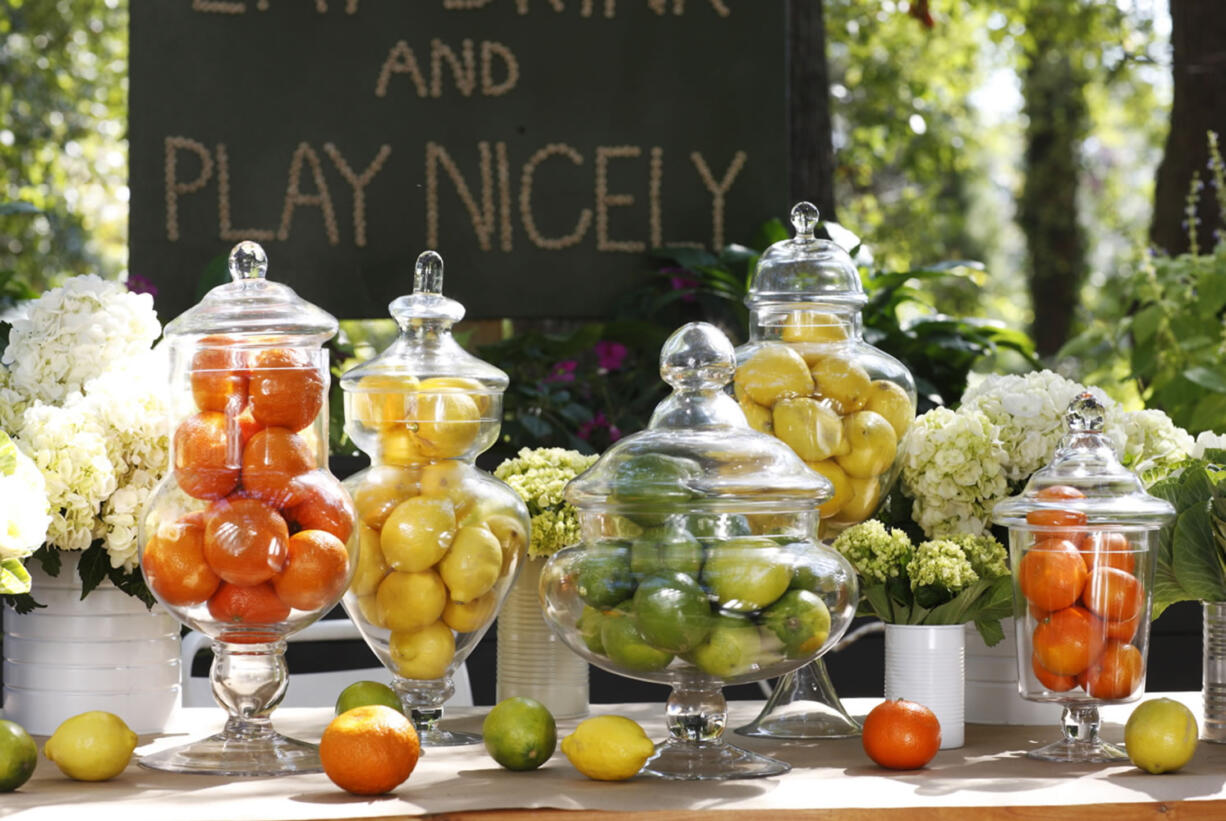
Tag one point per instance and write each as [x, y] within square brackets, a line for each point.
[306, 689]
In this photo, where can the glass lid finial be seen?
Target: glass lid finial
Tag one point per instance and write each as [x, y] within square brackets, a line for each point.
[248, 260]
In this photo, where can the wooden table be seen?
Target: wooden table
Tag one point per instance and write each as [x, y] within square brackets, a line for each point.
[989, 778]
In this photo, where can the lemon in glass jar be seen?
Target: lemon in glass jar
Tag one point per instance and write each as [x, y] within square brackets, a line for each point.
[810, 428]
[418, 533]
[773, 372]
[873, 445]
[472, 564]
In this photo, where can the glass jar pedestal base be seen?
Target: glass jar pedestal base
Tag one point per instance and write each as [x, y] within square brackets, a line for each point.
[1081, 742]
[803, 705]
[423, 704]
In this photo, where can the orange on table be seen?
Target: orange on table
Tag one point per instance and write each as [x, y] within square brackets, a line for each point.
[901, 734]
[1052, 574]
[1113, 595]
[285, 387]
[1051, 681]
[253, 605]
[1117, 672]
[1068, 641]
[174, 566]
[271, 461]
[1104, 549]
[316, 570]
[218, 375]
[245, 541]
[369, 750]
[322, 504]
[206, 458]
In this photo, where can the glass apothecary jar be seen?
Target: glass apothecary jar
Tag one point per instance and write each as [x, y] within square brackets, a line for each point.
[1083, 547]
[246, 539]
[439, 541]
[699, 564]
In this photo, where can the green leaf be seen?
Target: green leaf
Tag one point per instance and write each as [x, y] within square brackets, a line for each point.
[990, 631]
[14, 578]
[1207, 378]
[10, 208]
[1197, 565]
[878, 602]
[93, 567]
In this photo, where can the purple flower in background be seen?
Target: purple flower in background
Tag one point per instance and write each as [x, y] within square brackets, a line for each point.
[137, 284]
[563, 371]
[682, 280]
[610, 356]
[597, 422]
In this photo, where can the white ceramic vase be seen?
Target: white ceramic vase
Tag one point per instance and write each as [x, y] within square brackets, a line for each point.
[104, 652]
[925, 664]
[532, 661]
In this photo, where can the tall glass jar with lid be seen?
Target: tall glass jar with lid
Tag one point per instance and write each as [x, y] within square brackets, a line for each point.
[808, 377]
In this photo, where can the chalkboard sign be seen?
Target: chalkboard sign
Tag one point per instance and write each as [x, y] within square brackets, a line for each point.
[542, 146]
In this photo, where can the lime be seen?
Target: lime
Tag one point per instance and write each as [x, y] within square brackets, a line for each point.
[590, 621]
[603, 576]
[747, 574]
[672, 612]
[731, 648]
[91, 746]
[1160, 735]
[801, 620]
[653, 478]
[662, 549]
[608, 748]
[519, 733]
[362, 693]
[18, 755]
[625, 646]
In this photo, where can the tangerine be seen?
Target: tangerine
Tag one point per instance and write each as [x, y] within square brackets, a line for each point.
[1100, 549]
[369, 750]
[206, 458]
[255, 605]
[1046, 518]
[1049, 680]
[174, 566]
[1117, 672]
[1113, 595]
[901, 735]
[272, 460]
[1068, 641]
[1122, 630]
[316, 570]
[218, 375]
[322, 504]
[245, 541]
[1052, 574]
[286, 388]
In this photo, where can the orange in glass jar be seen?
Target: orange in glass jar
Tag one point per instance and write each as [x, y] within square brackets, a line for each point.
[174, 565]
[254, 605]
[1102, 549]
[1116, 673]
[245, 541]
[1068, 641]
[272, 460]
[206, 462]
[1052, 574]
[286, 389]
[218, 375]
[1054, 518]
[321, 503]
[1113, 595]
[316, 570]
[1051, 681]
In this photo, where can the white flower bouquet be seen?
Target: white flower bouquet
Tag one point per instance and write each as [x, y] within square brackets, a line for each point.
[82, 394]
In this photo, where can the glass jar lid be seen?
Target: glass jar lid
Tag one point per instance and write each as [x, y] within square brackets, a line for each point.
[806, 268]
[252, 306]
[698, 451]
[1086, 477]
[424, 347]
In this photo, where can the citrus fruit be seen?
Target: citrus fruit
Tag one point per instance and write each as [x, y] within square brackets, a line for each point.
[865, 494]
[369, 750]
[1160, 735]
[206, 464]
[256, 604]
[892, 402]
[316, 570]
[1068, 641]
[608, 748]
[800, 620]
[272, 459]
[672, 612]
[410, 601]
[603, 576]
[1100, 549]
[625, 645]
[730, 648]
[1113, 594]
[245, 541]
[286, 388]
[174, 565]
[758, 417]
[218, 375]
[1052, 574]
[811, 428]
[371, 567]
[423, 654]
[839, 480]
[321, 503]
[774, 372]
[447, 422]
[91, 746]
[381, 489]
[590, 621]
[746, 574]
[873, 445]
[1116, 673]
[813, 326]
[519, 733]
[18, 755]
[418, 532]
[472, 564]
[1051, 518]
[381, 400]
[470, 616]
[1049, 680]
[365, 693]
[445, 478]
[901, 735]
[844, 382]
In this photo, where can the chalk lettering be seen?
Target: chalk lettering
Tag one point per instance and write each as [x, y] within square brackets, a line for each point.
[358, 183]
[526, 183]
[489, 50]
[400, 60]
[718, 191]
[224, 228]
[294, 196]
[173, 187]
[483, 216]
[605, 200]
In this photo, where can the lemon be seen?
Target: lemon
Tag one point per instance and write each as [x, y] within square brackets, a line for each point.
[423, 654]
[1160, 735]
[839, 480]
[843, 381]
[364, 693]
[381, 400]
[758, 417]
[520, 733]
[399, 446]
[809, 427]
[446, 478]
[893, 403]
[873, 445]
[472, 565]
[91, 746]
[471, 387]
[381, 489]
[410, 601]
[865, 494]
[511, 535]
[448, 423]
[774, 372]
[18, 756]
[371, 566]
[813, 326]
[469, 616]
[608, 748]
[418, 533]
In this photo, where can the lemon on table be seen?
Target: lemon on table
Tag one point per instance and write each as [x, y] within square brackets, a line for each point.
[364, 693]
[18, 755]
[520, 733]
[1160, 735]
[91, 746]
[608, 748]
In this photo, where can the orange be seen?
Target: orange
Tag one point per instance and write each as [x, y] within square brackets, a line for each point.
[218, 375]
[1052, 574]
[1058, 492]
[247, 426]
[1116, 673]
[1068, 642]
[174, 565]
[245, 541]
[271, 461]
[206, 466]
[255, 605]
[1122, 630]
[1113, 594]
[1051, 681]
[323, 504]
[1054, 519]
[1101, 549]
[369, 750]
[286, 388]
[901, 735]
[316, 570]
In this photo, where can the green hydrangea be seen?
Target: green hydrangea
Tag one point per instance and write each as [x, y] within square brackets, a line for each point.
[988, 557]
[940, 564]
[877, 554]
[539, 476]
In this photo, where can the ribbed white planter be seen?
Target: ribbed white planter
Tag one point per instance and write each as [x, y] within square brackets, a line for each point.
[532, 661]
[991, 683]
[106, 652]
[924, 664]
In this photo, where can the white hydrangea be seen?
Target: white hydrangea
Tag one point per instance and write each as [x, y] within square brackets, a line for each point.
[1153, 441]
[23, 503]
[1206, 440]
[953, 468]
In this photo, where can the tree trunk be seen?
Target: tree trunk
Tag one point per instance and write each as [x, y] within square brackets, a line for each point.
[1198, 43]
[811, 147]
[1053, 89]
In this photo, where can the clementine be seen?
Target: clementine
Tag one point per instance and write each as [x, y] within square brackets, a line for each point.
[901, 735]
[1102, 549]
[1051, 681]
[323, 504]
[1117, 673]
[206, 459]
[1056, 519]
[1052, 574]
[218, 375]
[247, 605]
[1113, 594]
[286, 388]
[272, 459]
[174, 566]
[369, 750]
[316, 570]
[245, 541]
[1068, 641]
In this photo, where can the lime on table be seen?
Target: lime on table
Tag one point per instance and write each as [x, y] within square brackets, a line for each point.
[608, 748]
[363, 693]
[18, 755]
[93, 746]
[520, 733]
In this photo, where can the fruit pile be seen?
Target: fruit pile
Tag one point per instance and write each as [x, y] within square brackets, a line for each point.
[273, 535]
[438, 539]
[1085, 602]
[809, 391]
